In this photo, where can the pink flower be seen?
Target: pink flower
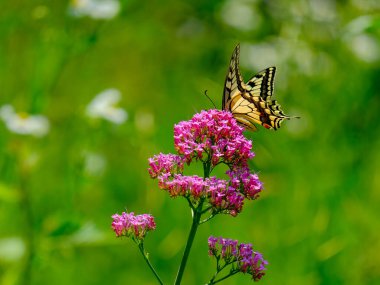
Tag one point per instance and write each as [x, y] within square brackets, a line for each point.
[248, 183]
[213, 135]
[224, 198]
[242, 256]
[127, 224]
[164, 163]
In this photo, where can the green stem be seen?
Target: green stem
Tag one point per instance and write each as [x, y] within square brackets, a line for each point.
[213, 278]
[197, 213]
[145, 255]
[207, 168]
[207, 219]
[232, 272]
[190, 239]
[220, 269]
[221, 279]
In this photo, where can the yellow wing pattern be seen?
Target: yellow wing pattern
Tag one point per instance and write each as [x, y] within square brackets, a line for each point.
[251, 103]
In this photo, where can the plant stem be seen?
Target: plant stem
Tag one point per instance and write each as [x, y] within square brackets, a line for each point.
[190, 239]
[207, 219]
[206, 169]
[220, 269]
[142, 250]
[232, 272]
[219, 280]
[197, 213]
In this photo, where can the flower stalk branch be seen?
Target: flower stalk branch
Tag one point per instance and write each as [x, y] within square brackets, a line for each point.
[146, 258]
[194, 226]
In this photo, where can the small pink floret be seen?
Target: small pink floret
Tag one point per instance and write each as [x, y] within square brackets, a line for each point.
[129, 224]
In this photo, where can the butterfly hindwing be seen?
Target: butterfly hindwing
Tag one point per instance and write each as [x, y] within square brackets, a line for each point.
[262, 83]
[244, 112]
[251, 103]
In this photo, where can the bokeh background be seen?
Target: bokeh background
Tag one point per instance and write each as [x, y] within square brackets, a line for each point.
[69, 161]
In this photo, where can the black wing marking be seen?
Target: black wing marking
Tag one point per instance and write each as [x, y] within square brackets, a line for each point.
[262, 83]
[234, 81]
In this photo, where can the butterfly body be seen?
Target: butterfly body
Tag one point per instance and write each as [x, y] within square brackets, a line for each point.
[251, 103]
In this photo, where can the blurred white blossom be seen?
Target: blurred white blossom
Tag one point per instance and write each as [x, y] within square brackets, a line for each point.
[323, 10]
[261, 55]
[103, 106]
[96, 9]
[360, 25]
[94, 163]
[23, 123]
[241, 15]
[364, 45]
[11, 249]
[89, 233]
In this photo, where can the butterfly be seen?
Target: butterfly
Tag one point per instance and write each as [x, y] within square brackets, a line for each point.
[251, 103]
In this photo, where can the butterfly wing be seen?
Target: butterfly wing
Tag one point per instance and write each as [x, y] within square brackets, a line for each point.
[233, 84]
[252, 102]
[259, 91]
[262, 83]
[234, 87]
[244, 112]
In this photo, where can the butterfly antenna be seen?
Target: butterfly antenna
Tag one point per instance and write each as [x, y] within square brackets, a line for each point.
[210, 99]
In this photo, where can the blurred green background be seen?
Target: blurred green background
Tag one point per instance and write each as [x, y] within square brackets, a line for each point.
[317, 222]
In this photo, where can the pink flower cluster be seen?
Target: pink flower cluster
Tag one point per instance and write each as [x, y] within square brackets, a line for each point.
[222, 195]
[213, 135]
[219, 194]
[165, 163]
[241, 255]
[248, 183]
[127, 224]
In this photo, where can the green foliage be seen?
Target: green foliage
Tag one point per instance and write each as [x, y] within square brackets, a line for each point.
[317, 220]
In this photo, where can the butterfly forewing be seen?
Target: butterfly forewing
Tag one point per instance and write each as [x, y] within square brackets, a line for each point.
[252, 102]
[234, 81]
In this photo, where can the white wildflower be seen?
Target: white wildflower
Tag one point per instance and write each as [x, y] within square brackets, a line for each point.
[96, 9]
[23, 123]
[103, 106]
